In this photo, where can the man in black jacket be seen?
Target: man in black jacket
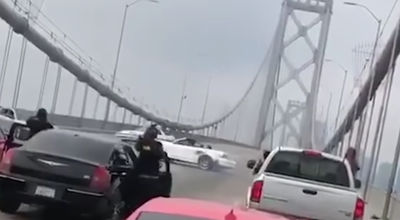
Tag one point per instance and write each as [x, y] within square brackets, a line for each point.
[150, 152]
[142, 182]
[38, 122]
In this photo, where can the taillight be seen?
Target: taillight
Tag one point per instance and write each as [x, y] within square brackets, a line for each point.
[256, 191]
[359, 209]
[312, 153]
[6, 161]
[101, 179]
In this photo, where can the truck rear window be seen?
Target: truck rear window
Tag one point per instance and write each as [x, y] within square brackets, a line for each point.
[309, 167]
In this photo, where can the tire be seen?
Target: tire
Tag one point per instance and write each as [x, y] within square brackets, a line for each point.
[205, 162]
[9, 205]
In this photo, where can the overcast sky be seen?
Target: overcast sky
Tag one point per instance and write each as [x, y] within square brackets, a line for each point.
[221, 40]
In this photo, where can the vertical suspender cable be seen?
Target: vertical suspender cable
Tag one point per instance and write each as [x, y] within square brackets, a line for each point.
[56, 90]
[43, 83]
[5, 59]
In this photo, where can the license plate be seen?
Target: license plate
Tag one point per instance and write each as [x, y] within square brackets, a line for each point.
[45, 192]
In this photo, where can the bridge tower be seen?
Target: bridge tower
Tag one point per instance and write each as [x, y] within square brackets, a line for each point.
[303, 133]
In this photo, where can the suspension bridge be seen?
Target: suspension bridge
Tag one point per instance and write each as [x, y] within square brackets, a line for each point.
[282, 119]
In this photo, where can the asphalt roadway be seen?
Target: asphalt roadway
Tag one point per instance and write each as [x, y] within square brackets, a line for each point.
[229, 187]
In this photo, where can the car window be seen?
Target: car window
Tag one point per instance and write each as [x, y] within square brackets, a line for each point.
[120, 157]
[183, 142]
[80, 146]
[310, 167]
[166, 216]
[7, 112]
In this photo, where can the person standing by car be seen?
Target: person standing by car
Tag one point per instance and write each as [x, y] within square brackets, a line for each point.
[38, 122]
[150, 151]
[351, 156]
[260, 162]
[142, 182]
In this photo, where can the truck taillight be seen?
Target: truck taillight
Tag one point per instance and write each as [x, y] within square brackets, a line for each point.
[101, 179]
[312, 153]
[359, 209]
[256, 191]
[6, 161]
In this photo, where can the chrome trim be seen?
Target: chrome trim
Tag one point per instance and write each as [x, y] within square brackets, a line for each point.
[12, 178]
[84, 192]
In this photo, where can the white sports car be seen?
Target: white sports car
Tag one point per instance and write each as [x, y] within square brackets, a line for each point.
[187, 150]
[8, 116]
[6, 122]
[133, 135]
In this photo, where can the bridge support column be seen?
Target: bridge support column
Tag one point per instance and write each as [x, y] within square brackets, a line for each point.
[267, 124]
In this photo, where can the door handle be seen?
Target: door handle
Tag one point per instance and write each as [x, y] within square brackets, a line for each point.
[310, 192]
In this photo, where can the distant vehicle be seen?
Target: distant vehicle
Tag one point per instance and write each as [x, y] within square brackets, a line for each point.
[6, 122]
[133, 135]
[306, 184]
[9, 113]
[190, 209]
[187, 150]
[8, 116]
[78, 171]
[190, 142]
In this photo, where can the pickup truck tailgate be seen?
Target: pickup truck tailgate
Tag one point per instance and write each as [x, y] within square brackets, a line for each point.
[306, 199]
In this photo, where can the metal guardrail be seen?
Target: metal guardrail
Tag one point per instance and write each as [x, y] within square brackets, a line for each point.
[178, 135]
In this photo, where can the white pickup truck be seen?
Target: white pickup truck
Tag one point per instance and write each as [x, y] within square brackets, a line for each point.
[306, 184]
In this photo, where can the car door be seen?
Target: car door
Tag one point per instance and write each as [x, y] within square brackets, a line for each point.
[184, 151]
[119, 159]
[191, 151]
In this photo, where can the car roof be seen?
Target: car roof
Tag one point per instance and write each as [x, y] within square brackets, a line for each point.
[101, 145]
[201, 209]
[80, 134]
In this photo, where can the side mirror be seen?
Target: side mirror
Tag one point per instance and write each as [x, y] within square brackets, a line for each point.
[357, 184]
[209, 147]
[21, 133]
[251, 164]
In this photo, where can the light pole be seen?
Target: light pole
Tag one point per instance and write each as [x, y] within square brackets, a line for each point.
[378, 34]
[183, 97]
[372, 73]
[327, 115]
[121, 36]
[341, 92]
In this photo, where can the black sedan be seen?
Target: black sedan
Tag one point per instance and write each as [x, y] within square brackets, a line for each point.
[78, 171]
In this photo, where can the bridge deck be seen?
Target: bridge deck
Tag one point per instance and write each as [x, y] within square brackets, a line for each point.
[375, 203]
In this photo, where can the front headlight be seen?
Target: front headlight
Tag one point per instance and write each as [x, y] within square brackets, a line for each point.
[224, 156]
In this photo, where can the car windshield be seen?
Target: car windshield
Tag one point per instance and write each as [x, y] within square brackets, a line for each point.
[7, 112]
[72, 145]
[165, 216]
[310, 167]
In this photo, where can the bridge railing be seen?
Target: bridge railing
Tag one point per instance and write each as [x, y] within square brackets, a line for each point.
[95, 126]
[200, 138]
